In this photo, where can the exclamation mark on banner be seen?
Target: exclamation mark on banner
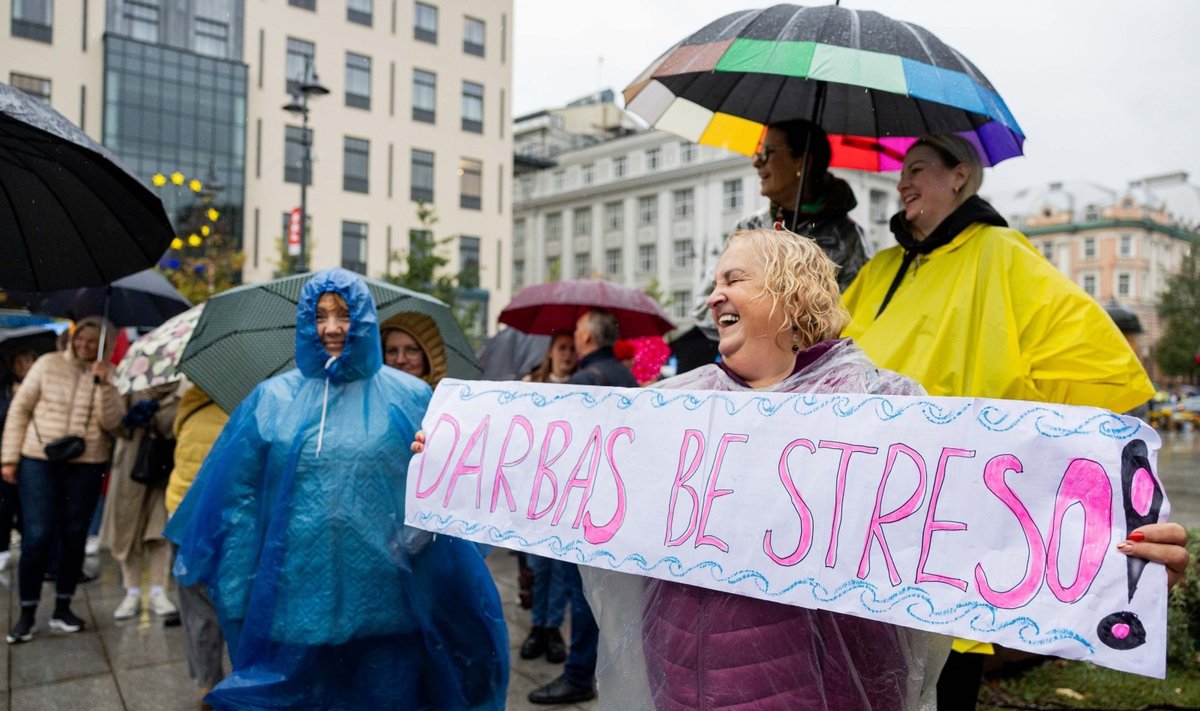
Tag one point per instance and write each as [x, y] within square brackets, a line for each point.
[1143, 500]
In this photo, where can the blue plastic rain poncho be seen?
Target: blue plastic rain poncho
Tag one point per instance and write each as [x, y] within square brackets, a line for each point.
[295, 524]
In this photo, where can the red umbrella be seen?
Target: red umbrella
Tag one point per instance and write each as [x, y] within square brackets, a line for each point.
[554, 307]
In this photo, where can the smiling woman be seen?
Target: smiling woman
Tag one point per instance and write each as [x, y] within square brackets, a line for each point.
[333, 320]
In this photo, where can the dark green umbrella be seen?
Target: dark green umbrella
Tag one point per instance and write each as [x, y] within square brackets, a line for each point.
[248, 334]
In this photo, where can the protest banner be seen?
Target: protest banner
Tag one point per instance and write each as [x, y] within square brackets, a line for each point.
[992, 520]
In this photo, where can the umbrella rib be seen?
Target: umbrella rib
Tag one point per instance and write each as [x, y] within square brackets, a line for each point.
[20, 230]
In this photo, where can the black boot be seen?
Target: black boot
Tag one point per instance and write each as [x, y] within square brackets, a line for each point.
[25, 627]
[534, 645]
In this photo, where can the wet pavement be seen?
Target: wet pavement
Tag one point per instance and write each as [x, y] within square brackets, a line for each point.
[1179, 469]
[141, 665]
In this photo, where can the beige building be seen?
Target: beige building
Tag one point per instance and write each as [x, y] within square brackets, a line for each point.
[418, 110]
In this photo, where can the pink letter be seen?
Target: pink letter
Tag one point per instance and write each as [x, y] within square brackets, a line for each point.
[680, 478]
[848, 450]
[543, 469]
[1035, 568]
[806, 523]
[500, 481]
[603, 534]
[713, 492]
[932, 524]
[428, 446]
[463, 469]
[1087, 484]
[875, 529]
[593, 444]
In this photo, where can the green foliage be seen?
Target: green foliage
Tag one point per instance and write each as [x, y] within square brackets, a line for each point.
[213, 266]
[1183, 614]
[1179, 308]
[1100, 688]
[654, 291]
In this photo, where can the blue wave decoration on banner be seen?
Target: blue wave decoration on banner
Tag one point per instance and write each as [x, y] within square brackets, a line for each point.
[917, 603]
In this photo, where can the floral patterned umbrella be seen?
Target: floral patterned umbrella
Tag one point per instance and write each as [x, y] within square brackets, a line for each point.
[154, 358]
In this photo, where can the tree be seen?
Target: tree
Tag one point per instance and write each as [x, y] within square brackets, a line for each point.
[1179, 308]
[425, 271]
[203, 259]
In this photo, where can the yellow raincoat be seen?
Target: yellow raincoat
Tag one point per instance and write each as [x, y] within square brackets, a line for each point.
[986, 315]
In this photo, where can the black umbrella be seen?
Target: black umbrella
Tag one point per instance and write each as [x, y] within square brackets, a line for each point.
[39, 339]
[144, 300]
[695, 347]
[70, 215]
[512, 354]
[248, 334]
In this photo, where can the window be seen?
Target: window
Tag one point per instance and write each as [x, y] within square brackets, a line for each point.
[141, 19]
[1125, 248]
[306, 4]
[1089, 248]
[1124, 284]
[356, 160]
[518, 273]
[731, 198]
[295, 140]
[36, 87]
[425, 23]
[473, 36]
[557, 179]
[211, 38]
[684, 254]
[470, 183]
[583, 265]
[1048, 250]
[1089, 284]
[647, 210]
[424, 96]
[472, 107]
[33, 19]
[554, 226]
[354, 246]
[301, 56]
[614, 216]
[619, 166]
[422, 176]
[468, 262]
[879, 207]
[588, 173]
[687, 152]
[612, 263]
[360, 11]
[583, 221]
[519, 228]
[653, 158]
[647, 258]
[681, 304]
[684, 203]
[358, 81]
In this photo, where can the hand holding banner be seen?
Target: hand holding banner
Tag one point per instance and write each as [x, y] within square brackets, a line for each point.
[993, 520]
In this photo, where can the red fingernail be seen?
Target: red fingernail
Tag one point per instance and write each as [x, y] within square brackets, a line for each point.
[1137, 536]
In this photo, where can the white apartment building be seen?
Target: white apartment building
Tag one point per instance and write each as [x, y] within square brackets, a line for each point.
[643, 208]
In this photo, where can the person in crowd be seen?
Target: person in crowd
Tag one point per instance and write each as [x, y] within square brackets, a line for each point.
[10, 502]
[135, 513]
[295, 523]
[968, 307]
[595, 335]
[198, 422]
[549, 589]
[56, 447]
[413, 344]
[799, 151]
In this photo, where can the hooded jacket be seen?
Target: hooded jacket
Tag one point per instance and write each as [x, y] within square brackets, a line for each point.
[52, 402]
[196, 427]
[295, 524]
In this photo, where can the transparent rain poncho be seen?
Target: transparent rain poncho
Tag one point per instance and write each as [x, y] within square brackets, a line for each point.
[671, 646]
[295, 524]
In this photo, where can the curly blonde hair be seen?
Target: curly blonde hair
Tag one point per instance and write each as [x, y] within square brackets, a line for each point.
[802, 281]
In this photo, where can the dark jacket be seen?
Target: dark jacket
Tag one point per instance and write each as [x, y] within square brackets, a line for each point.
[601, 367]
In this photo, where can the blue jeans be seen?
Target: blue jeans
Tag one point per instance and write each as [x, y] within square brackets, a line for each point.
[57, 501]
[585, 635]
[549, 591]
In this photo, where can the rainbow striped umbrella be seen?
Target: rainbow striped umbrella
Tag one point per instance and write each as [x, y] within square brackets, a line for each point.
[873, 83]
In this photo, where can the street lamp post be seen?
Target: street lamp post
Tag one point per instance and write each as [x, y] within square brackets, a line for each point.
[309, 87]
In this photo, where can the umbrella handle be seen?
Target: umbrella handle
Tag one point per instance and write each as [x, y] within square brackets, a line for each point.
[103, 330]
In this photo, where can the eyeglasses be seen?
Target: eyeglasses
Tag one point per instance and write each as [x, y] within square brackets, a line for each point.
[763, 154]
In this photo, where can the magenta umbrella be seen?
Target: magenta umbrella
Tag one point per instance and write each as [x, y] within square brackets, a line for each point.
[555, 307]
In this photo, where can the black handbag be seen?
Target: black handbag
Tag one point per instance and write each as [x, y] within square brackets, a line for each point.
[155, 460]
[66, 448]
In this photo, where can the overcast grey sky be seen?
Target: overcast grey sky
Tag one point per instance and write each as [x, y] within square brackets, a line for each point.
[1105, 90]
